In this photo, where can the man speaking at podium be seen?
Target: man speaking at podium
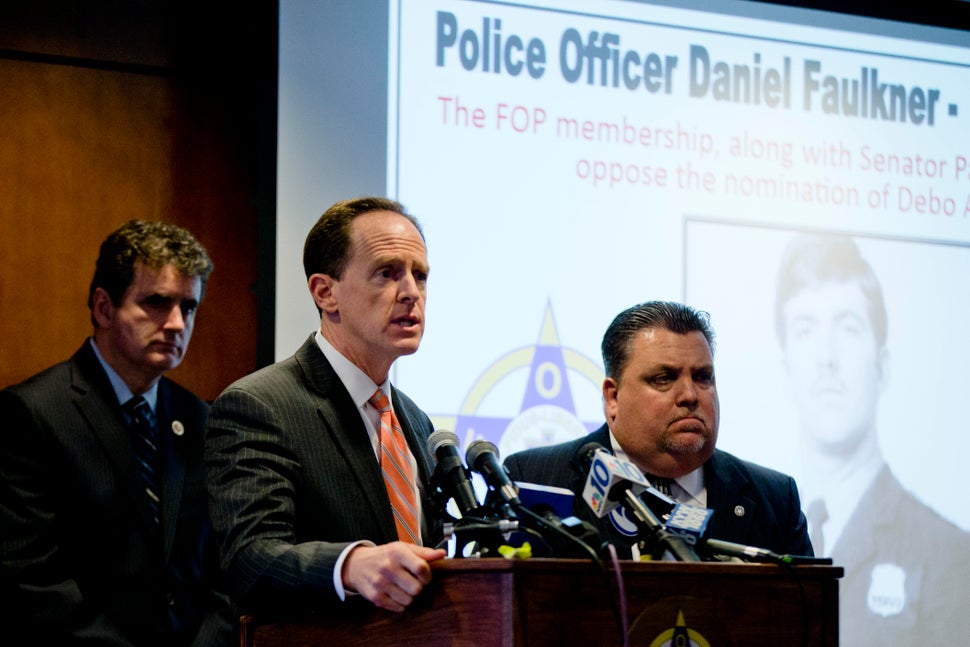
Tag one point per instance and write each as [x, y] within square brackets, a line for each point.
[661, 405]
[317, 465]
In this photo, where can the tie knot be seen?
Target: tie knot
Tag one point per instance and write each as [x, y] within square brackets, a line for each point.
[138, 410]
[380, 401]
[661, 484]
[136, 405]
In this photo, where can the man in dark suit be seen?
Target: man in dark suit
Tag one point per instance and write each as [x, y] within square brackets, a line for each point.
[298, 453]
[906, 566]
[662, 409]
[105, 538]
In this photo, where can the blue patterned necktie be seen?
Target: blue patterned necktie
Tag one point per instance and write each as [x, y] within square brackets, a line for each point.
[661, 484]
[144, 438]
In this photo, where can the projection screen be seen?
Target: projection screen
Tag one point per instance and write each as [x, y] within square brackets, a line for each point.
[570, 159]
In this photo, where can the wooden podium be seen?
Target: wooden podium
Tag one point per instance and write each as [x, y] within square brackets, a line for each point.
[535, 602]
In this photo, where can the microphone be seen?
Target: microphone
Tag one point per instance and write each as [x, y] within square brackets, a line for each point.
[609, 480]
[657, 501]
[584, 457]
[613, 482]
[690, 523]
[482, 456]
[450, 477]
[552, 508]
[748, 553]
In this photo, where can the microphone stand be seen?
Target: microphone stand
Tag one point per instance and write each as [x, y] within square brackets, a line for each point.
[657, 536]
[490, 528]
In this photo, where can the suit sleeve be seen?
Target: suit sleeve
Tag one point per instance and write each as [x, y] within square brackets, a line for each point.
[44, 600]
[252, 477]
[798, 542]
[544, 465]
[511, 464]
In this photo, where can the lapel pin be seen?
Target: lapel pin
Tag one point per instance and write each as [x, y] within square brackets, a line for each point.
[739, 510]
[178, 428]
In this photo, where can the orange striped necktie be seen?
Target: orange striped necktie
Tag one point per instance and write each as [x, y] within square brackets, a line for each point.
[396, 469]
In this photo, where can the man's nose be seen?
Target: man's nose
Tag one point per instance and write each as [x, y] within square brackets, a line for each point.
[686, 392]
[175, 320]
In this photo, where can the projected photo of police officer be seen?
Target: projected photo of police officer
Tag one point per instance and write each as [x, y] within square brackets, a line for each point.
[905, 565]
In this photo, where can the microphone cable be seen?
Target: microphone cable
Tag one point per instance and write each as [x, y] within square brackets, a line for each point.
[617, 607]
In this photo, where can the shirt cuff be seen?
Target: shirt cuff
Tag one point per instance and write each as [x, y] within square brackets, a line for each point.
[338, 580]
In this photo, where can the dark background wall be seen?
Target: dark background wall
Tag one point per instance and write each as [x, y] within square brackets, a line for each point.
[135, 109]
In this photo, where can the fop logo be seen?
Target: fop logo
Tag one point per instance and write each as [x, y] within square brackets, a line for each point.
[556, 377]
[680, 635]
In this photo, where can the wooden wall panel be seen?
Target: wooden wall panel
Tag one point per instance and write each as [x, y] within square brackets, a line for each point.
[84, 147]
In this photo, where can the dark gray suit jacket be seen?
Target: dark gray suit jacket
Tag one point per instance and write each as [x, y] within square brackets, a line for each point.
[294, 480]
[80, 558]
[752, 505]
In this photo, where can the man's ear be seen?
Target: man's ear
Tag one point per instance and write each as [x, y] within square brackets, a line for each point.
[102, 308]
[322, 290]
[610, 387]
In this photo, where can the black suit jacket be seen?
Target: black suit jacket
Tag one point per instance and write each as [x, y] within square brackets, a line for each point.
[294, 480]
[80, 558]
[752, 505]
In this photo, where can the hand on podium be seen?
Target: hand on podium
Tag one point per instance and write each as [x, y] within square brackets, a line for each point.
[391, 575]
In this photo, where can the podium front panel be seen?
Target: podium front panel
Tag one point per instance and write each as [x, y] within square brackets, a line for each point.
[536, 602]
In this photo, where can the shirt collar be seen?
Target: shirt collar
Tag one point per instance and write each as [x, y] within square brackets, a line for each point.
[122, 392]
[357, 383]
[693, 484]
[841, 496]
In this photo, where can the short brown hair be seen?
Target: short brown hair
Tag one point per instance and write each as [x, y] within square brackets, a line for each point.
[327, 246]
[155, 244]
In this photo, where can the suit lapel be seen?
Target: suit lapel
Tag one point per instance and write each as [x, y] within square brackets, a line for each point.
[578, 477]
[343, 423]
[876, 510]
[96, 400]
[726, 493]
[173, 465]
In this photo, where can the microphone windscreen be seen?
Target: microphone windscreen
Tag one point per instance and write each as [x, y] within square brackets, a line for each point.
[584, 457]
[441, 438]
[476, 450]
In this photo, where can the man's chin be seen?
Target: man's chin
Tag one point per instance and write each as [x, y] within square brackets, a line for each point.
[838, 442]
[164, 361]
[687, 444]
[408, 346]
